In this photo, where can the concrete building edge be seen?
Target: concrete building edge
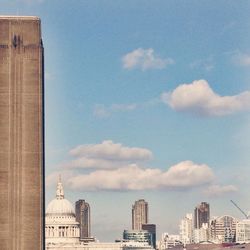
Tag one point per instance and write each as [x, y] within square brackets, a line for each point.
[43, 139]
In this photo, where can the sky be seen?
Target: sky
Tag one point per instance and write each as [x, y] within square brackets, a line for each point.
[146, 99]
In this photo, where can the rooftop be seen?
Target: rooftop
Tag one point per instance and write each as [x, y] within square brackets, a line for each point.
[20, 17]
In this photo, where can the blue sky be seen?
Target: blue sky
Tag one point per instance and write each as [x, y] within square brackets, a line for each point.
[146, 99]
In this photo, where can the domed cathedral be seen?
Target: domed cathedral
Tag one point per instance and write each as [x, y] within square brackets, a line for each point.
[60, 220]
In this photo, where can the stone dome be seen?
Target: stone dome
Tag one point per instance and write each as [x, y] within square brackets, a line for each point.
[60, 206]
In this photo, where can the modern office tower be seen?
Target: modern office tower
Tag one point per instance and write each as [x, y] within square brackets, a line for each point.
[139, 214]
[151, 228]
[201, 215]
[186, 229]
[82, 210]
[21, 134]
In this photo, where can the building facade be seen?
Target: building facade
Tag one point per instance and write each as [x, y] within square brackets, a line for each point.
[151, 228]
[243, 231]
[201, 234]
[142, 236]
[201, 215]
[169, 241]
[186, 229]
[82, 210]
[21, 133]
[61, 227]
[103, 246]
[223, 229]
[139, 214]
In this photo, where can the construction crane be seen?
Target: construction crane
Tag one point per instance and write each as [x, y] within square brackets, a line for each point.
[247, 216]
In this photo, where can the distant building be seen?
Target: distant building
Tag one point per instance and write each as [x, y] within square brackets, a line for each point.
[135, 246]
[223, 229]
[138, 236]
[243, 231]
[63, 231]
[101, 246]
[151, 228]
[82, 210]
[201, 215]
[169, 241]
[201, 234]
[61, 226]
[139, 214]
[186, 229]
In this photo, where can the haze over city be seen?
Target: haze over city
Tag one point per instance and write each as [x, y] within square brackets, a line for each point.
[146, 100]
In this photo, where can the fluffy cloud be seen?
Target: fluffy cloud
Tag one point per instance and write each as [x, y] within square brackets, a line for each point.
[183, 175]
[113, 166]
[217, 190]
[198, 98]
[106, 155]
[108, 150]
[144, 59]
[88, 163]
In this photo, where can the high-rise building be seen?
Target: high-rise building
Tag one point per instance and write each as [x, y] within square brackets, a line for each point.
[82, 210]
[151, 228]
[139, 214]
[21, 133]
[201, 215]
[186, 229]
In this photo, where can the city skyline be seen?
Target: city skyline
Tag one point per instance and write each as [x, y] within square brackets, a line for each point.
[193, 228]
[146, 101]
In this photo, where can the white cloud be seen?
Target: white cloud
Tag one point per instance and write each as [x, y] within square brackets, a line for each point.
[241, 59]
[106, 155]
[144, 59]
[113, 166]
[184, 175]
[217, 190]
[198, 98]
[108, 150]
[88, 163]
